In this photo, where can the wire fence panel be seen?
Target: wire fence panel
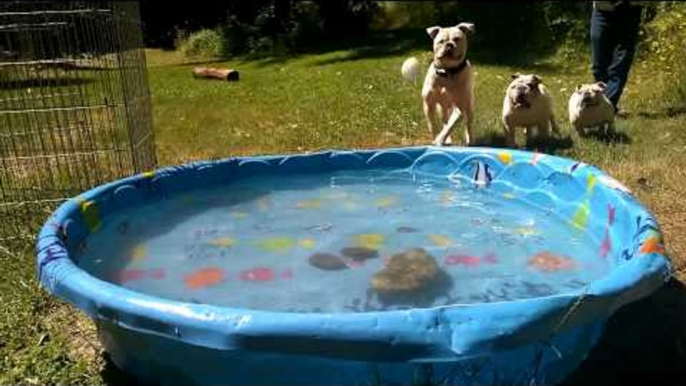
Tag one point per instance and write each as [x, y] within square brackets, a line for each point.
[74, 104]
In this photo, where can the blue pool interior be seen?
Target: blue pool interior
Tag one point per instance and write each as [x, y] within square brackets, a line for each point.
[257, 241]
[442, 266]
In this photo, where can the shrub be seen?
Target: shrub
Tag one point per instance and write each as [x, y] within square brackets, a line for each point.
[203, 44]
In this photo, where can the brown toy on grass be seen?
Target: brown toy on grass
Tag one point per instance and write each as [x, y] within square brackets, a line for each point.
[225, 74]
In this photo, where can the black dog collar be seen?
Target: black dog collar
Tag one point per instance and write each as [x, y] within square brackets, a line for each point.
[445, 72]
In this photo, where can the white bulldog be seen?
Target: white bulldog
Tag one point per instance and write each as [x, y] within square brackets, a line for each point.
[448, 85]
[527, 104]
[590, 108]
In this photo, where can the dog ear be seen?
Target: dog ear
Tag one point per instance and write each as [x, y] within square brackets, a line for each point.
[537, 79]
[601, 85]
[515, 75]
[578, 87]
[466, 27]
[433, 31]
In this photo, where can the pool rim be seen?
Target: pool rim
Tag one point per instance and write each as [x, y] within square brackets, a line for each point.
[420, 334]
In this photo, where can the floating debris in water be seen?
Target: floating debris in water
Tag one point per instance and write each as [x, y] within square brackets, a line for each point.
[407, 230]
[406, 272]
[258, 274]
[359, 253]
[204, 278]
[327, 261]
[548, 262]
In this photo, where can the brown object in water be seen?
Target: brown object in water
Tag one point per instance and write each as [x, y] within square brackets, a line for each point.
[327, 262]
[409, 271]
[225, 74]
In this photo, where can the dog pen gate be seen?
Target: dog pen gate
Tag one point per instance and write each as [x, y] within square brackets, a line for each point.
[74, 104]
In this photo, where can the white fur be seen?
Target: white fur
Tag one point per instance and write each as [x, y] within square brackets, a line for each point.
[538, 115]
[450, 96]
[583, 116]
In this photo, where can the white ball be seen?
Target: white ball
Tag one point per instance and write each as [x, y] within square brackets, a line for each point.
[410, 69]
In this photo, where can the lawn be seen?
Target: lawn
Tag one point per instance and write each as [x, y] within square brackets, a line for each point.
[357, 99]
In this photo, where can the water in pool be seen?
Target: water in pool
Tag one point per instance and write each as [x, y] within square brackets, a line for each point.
[342, 242]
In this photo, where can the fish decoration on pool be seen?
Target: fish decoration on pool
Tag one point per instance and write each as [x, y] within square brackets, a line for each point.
[205, 277]
[369, 240]
[277, 244]
[471, 260]
[387, 201]
[223, 242]
[482, 175]
[606, 245]
[127, 275]
[440, 240]
[548, 262]
[139, 253]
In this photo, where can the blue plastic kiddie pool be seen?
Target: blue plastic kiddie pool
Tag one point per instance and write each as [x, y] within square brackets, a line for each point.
[395, 266]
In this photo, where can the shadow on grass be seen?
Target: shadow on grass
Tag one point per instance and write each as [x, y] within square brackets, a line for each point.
[643, 342]
[550, 145]
[382, 44]
[669, 112]
[38, 82]
[609, 136]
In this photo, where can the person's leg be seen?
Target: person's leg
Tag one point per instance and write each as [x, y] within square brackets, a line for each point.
[628, 24]
[602, 45]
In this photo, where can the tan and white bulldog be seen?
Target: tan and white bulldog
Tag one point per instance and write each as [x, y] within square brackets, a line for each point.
[527, 104]
[590, 108]
[448, 85]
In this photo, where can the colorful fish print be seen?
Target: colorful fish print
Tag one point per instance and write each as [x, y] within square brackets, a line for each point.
[387, 201]
[127, 275]
[369, 240]
[505, 157]
[440, 240]
[575, 166]
[311, 203]
[482, 175]
[548, 262]
[139, 253]
[239, 215]
[205, 277]
[89, 211]
[580, 218]
[259, 274]
[307, 243]
[471, 260]
[613, 184]
[277, 244]
[606, 245]
[536, 157]
[611, 213]
[642, 226]
[508, 196]
[466, 260]
[223, 242]
[447, 197]
[526, 231]
[653, 244]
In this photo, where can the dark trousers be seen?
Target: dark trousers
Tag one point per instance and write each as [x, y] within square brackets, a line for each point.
[613, 42]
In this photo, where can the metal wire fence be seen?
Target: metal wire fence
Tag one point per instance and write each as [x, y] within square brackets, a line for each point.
[74, 104]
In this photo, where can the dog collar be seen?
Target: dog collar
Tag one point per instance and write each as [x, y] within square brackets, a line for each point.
[445, 72]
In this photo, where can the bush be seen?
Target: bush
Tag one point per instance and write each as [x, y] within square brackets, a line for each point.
[204, 44]
[663, 46]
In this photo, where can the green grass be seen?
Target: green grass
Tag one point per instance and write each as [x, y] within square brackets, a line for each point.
[338, 99]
